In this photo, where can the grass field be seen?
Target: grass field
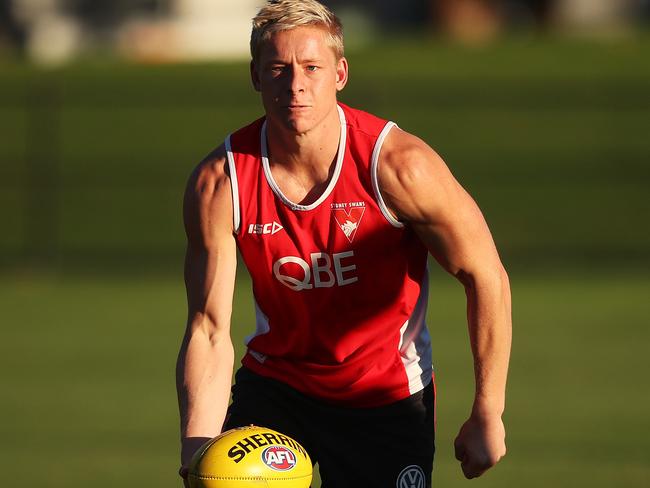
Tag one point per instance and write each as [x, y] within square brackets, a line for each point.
[89, 399]
[551, 137]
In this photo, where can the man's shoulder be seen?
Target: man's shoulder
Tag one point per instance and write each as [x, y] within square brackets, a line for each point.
[406, 162]
[403, 148]
[208, 193]
[207, 203]
[210, 173]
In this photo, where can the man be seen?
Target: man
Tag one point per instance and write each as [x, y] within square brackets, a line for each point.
[334, 211]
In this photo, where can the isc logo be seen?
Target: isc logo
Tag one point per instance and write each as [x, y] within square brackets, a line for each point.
[296, 273]
[279, 458]
[270, 228]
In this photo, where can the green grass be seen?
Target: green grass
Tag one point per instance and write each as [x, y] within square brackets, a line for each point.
[88, 383]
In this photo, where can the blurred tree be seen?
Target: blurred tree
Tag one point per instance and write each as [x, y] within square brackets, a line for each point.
[107, 13]
[388, 14]
[470, 20]
[536, 13]
[12, 31]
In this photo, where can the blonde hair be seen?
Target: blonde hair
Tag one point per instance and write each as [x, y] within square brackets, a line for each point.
[280, 15]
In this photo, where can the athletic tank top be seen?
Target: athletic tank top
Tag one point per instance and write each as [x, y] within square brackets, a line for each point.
[340, 285]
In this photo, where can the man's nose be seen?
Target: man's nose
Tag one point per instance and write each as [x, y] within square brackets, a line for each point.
[296, 80]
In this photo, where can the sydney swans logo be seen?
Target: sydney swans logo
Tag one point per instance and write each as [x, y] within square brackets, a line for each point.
[348, 217]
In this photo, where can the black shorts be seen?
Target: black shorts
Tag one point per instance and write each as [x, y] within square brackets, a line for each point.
[391, 446]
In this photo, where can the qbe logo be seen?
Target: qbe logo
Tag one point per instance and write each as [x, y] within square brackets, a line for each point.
[279, 458]
[326, 270]
[411, 477]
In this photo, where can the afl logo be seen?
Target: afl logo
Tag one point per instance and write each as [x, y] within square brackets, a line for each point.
[411, 477]
[279, 458]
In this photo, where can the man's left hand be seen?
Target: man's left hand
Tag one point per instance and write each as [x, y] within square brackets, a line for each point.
[480, 444]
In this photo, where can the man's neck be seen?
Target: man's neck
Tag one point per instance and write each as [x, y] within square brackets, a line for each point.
[307, 155]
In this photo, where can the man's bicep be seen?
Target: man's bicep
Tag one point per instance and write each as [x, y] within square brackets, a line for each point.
[211, 258]
[424, 194]
[209, 281]
[457, 235]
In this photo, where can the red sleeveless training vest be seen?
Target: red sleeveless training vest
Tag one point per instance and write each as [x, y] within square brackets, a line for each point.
[340, 286]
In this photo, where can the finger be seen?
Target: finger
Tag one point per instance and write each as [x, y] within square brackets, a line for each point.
[471, 469]
[183, 472]
[459, 450]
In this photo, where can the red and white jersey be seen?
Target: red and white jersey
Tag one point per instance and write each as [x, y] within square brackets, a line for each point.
[340, 285]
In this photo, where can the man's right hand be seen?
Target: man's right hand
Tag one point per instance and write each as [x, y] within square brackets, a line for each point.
[189, 446]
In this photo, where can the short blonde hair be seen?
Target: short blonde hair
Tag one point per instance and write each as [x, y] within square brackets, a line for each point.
[280, 15]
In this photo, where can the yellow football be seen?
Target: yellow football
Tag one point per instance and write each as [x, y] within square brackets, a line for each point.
[250, 457]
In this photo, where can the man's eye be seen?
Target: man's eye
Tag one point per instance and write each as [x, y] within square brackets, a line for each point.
[312, 68]
[276, 69]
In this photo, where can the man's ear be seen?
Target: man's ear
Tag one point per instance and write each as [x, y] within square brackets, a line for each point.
[255, 77]
[341, 73]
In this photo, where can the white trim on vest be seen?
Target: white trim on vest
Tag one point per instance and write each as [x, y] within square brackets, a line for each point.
[373, 175]
[262, 327]
[337, 168]
[236, 216]
[415, 343]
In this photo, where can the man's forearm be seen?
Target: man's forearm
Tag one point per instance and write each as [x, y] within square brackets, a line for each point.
[203, 378]
[490, 330]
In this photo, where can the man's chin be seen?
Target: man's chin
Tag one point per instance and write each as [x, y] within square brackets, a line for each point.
[297, 125]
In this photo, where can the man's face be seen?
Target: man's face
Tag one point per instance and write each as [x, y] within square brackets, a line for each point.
[298, 76]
